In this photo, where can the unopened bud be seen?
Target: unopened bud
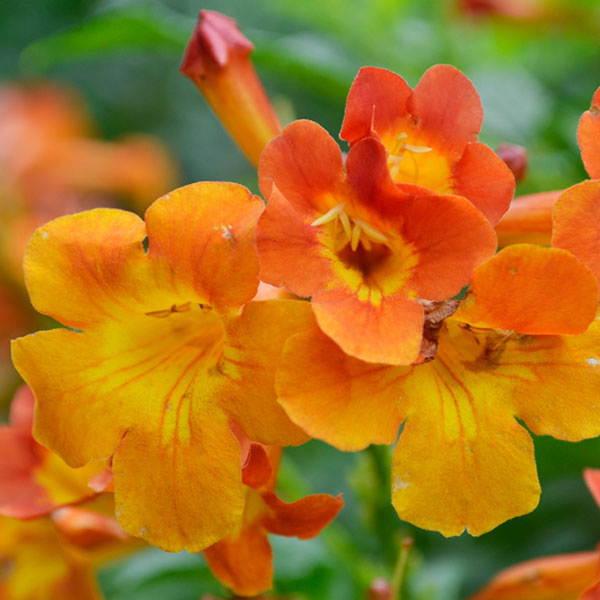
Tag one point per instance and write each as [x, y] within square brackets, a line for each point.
[380, 589]
[515, 158]
[217, 60]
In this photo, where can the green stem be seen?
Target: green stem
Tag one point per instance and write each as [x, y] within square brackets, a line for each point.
[400, 569]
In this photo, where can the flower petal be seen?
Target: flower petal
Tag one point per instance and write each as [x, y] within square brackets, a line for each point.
[460, 451]
[305, 163]
[205, 233]
[253, 347]
[244, 562]
[548, 578]
[178, 480]
[336, 398]
[450, 238]
[34, 480]
[257, 470]
[528, 220]
[379, 329]
[483, 178]
[78, 268]
[576, 224]
[286, 241]
[592, 480]
[448, 109]
[555, 383]
[304, 518]
[531, 290]
[588, 134]
[376, 100]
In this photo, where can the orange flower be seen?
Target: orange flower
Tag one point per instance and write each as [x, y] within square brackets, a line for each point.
[364, 248]
[217, 60]
[34, 480]
[462, 460]
[566, 576]
[159, 357]
[430, 134]
[243, 560]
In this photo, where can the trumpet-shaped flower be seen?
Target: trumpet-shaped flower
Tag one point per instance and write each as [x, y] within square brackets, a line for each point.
[243, 560]
[363, 247]
[158, 358]
[430, 134]
[34, 480]
[513, 348]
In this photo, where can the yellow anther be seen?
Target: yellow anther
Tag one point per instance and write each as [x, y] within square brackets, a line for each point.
[330, 215]
[416, 149]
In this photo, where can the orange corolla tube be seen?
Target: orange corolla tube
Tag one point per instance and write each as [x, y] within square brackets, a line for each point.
[217, 60]
[512, 349]
[363, 247]
[35, 481]
[164, 349]
[528, 220]
[243, 561]
[430, 134]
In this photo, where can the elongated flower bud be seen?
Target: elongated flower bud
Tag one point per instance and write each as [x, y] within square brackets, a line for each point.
[217, 60]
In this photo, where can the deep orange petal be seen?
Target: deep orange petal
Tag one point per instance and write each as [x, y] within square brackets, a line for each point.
[448, 109]
[253, 347]
[528, 220]
[564, 576]
[205, 233]
[576, 223]
[588, 134]
[243, 562]
[334, 397]
[256, 471]
[482, 177]
[450, 238]
[376, 100]
[379, 329]
[304, 518]
[285, 241]
[531, 290]
[305, 163]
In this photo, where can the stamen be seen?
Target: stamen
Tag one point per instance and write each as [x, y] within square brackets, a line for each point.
[372, 232]
[355, 237]
[346, 224]
[330, 215]
[417, 149]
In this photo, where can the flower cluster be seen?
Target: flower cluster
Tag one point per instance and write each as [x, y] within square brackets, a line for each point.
[173, 374]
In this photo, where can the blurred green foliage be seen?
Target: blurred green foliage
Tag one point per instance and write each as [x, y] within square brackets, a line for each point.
[535, 81]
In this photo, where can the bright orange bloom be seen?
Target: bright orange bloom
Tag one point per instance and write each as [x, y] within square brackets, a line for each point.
[528, 220]
[159, 357]
[34, 480]
[363, 247]
[217, 60]
[243, 561]
[462, 460]
[566, 576]
[430, 134]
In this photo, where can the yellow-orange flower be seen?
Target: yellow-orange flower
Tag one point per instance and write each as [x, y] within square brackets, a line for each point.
[514, 348]
[158, 357]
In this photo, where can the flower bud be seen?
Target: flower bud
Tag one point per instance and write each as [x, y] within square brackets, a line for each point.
[217, 60]
[515, 158]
